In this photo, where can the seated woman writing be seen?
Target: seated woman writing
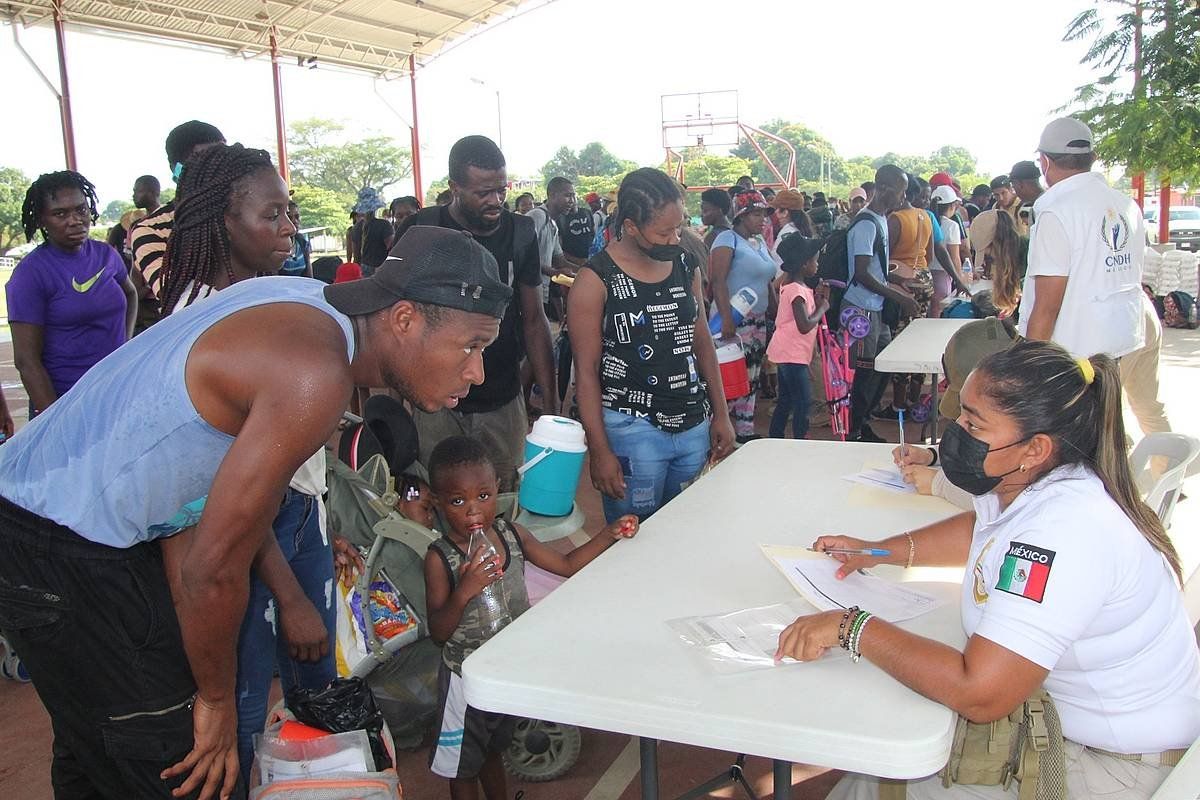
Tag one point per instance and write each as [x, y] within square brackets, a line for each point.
[1072, 583]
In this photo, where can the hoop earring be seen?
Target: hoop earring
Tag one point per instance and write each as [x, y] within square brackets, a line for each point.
[1022, 468]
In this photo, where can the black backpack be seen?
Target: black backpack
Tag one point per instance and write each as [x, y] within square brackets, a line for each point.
[833, 264]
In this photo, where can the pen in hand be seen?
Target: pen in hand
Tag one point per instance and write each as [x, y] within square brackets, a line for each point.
[903, 444]
[852, 551]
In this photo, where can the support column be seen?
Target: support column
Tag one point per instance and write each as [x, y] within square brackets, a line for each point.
[280, 124]
[416, 133]
[64, 95]
[1139, 190]
[1164, 211]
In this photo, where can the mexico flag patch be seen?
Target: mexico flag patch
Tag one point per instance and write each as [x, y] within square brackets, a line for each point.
[1025, 571]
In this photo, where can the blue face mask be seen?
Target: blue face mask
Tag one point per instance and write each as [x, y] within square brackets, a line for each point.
[177, 171]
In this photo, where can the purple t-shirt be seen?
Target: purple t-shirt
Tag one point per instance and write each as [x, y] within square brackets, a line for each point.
[78, 300]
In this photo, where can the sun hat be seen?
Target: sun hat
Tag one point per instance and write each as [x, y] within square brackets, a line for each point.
[438, 266]
[747, 201]
[369, 201]
[983, 230]
[787, 200]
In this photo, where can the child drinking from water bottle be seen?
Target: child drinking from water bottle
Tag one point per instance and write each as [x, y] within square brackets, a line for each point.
[791, 348]
[465, 486]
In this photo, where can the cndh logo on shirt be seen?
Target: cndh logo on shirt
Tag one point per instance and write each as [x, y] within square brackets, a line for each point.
[1115, 233]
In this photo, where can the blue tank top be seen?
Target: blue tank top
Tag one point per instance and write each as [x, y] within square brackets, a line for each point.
[124, 457]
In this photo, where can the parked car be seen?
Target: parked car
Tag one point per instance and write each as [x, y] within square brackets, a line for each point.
[1183, 227]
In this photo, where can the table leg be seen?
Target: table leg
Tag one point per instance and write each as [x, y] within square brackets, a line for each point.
[649, 754]
[782, 776]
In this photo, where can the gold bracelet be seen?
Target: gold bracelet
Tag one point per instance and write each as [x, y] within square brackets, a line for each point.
[912, 550]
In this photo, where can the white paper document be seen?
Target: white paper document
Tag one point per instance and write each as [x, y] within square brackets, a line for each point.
[888, 478]
[742, 639]
[815, 580]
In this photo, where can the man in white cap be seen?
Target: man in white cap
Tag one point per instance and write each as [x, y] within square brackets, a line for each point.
[1083, 287]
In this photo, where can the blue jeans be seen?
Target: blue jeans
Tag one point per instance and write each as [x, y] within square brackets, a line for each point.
[654, 462]
[795, 398]
[260, 647]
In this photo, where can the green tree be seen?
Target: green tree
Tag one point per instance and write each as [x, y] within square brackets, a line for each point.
[321, 155]
[813, 153]
[564, 162]
[436, 188]
[1144, 108]
[594, 160]
[710, 169]
[13, 184]
[323, 208]
[113, 211]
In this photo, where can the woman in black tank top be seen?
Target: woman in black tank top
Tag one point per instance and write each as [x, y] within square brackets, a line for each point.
[647, 382]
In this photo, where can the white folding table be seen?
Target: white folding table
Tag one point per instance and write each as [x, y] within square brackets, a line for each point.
[598, 652]
[919, 348]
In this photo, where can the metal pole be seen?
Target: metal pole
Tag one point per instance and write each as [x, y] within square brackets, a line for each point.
[416, 137]
[499, 123]
[64, 96]
[280, 125]
[648, 750]
[1164, 211]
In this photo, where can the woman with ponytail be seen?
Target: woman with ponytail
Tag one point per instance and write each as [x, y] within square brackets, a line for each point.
[1071, 582]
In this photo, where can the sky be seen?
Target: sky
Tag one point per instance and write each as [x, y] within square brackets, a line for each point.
[871, 76]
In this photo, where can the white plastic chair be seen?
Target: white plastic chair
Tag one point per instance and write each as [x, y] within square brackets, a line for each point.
[1161, 490]
[1184, 781]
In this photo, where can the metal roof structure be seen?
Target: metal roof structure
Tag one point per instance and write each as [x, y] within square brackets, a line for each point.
[387, 38]
[376, 36]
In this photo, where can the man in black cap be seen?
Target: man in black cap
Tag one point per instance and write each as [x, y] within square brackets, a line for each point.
[494, 412]
[1026, 182]
[124, 597]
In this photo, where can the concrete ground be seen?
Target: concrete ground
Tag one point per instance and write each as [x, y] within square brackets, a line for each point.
[608, 765]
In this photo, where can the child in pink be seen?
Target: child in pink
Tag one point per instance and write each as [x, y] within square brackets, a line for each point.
[791, 348]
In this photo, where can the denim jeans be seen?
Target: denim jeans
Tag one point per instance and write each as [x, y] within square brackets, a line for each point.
[795, 398]
[260, 646]
[655, 463]
[96, 628]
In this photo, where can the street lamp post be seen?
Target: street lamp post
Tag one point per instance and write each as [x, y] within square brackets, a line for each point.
[499, 118]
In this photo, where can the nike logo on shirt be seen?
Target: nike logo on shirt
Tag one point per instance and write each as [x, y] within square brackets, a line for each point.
[83, 288]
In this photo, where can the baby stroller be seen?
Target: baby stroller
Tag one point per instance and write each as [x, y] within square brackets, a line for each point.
[402, 668]
[837, 364]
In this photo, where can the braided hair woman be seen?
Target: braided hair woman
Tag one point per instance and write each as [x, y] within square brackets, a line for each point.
[642, 349]
[231, 223]
[70, 301]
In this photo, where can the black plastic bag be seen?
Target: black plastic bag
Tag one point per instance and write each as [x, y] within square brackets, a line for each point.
[343, 706]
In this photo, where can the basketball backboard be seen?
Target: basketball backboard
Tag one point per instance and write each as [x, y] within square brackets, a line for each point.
[700, 119]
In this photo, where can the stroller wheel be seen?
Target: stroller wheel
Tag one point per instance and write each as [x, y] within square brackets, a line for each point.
[542, 751]
[855, 322]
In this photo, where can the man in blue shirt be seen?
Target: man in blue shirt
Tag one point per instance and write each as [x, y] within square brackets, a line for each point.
[867, 252]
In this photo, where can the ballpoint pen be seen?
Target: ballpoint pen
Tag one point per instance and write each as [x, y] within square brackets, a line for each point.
[851, 551]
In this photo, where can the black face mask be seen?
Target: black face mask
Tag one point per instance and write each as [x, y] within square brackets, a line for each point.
[662, 252]
[962, 455]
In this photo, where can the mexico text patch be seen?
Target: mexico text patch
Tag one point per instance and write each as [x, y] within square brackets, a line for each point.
[1025, 571]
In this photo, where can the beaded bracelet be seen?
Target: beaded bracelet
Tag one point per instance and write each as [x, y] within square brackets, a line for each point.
[843, 639]
[853, 630]
[912, 550]
[855, 651]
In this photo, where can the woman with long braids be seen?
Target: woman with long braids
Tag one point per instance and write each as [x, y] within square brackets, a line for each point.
[232, 224]
[643, 355]
[70, 301]
[229, 224]
[1071, 583]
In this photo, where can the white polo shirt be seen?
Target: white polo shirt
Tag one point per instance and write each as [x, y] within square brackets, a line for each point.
[1064, 579]
[1095, 237]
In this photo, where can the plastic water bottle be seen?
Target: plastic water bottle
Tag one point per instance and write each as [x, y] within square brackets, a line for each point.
[493, 608]
[740, 304]
[967, 271]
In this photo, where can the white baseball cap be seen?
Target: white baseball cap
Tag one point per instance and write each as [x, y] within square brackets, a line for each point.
[1066, 135]
[944, 194]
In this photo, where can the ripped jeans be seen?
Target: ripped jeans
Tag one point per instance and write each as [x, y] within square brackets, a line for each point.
[655, 463]
[261, 646]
